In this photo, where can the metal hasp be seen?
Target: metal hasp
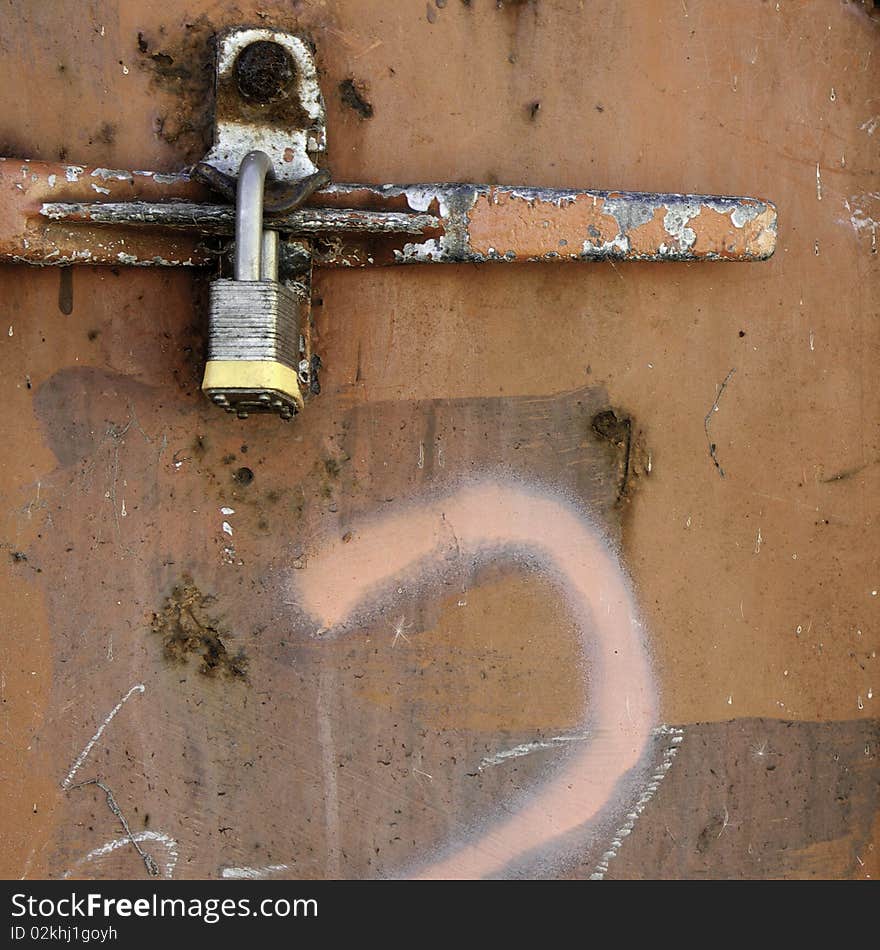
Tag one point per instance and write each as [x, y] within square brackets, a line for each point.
[267, 98]
[268, 102]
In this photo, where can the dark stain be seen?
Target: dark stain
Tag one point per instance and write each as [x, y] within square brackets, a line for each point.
[616, 429]
[185, 68]
[611, 427]
[848, 472]
[710, 833]
[717, 813]
[106, 134]
[65, 290]
[314, 380]
[82, 406]
[353, 96]
[533, 109]
[188, 630]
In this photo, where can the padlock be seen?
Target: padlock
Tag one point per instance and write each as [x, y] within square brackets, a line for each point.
[253, 330]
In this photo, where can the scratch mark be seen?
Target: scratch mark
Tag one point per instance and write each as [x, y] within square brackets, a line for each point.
[714, 408]
[399, 627]
[327, 698]
[137, 688]
[149, 863]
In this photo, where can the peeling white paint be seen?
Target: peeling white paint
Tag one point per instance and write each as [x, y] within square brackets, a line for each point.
[112, 174]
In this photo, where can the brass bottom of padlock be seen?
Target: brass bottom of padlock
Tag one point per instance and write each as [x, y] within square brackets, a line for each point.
[246, 386]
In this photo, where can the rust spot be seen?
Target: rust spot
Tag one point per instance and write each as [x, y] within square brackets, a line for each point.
[616, 429]
[187, 629]
[353, 96]
[264, 71]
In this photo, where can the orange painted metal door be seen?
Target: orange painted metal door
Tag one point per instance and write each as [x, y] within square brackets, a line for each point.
[570, 570]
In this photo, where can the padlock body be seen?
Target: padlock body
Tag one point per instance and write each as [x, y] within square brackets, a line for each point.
[253, 347]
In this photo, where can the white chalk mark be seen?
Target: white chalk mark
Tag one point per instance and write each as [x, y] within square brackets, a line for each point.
[253, 874]
[227, 511]
[528, 747]
[758, 542]
[139, 836]
[818, 182]
[676, 737]
[870, 125]
[227, 528]
[137, 688]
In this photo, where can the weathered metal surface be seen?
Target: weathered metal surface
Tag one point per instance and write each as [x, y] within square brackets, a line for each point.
[255, 108]
[519, 224]
[361, 752]
[220, 219]
[27, 236]
[459, 223]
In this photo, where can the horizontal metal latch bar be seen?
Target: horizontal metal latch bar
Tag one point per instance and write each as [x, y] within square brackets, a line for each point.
[220, 219]
[64, 214]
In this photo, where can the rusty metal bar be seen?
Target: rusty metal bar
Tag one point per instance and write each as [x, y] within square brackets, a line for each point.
[48, 214]
[220, 219]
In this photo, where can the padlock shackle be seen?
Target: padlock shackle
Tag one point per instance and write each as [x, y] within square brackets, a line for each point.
[249, 215]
